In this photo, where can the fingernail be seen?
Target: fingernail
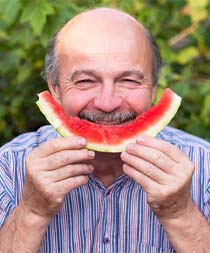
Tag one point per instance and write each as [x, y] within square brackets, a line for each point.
[125, 168]
[123, 154]
[91, 153]
[90, 167]
[81, 141]
[130, 147]
[140, 139]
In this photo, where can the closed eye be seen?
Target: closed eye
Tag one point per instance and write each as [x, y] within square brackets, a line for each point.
[85, 81]
[127, 80]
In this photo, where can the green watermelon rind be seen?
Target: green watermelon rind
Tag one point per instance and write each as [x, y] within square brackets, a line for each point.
[111, 148]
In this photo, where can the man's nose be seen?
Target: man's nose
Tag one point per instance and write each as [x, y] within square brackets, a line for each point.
[107, 98]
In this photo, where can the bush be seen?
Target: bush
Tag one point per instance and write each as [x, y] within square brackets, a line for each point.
[182, 31]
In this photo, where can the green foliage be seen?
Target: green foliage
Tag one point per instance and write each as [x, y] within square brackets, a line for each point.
[181, 27]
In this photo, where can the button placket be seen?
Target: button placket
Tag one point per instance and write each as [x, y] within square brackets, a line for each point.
[106, 238]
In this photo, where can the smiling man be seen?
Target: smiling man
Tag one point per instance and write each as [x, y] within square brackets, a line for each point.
[56, 196]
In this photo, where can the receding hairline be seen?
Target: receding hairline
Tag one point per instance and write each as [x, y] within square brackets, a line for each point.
[95, 13]
[51, 57]
[98, 12]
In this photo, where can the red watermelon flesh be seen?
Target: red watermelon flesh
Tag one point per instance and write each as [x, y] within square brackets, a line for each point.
[110, 138]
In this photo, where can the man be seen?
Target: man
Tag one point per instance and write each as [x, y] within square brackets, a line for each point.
[56, 196]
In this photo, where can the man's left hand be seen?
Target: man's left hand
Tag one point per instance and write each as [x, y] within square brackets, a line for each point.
[164, 172]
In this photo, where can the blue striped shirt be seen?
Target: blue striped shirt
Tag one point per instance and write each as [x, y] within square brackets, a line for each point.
[95, 219]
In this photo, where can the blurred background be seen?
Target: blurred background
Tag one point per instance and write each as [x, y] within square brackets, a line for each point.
[182, 31]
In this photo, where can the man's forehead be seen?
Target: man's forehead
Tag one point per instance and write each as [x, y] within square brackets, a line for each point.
[101, 23]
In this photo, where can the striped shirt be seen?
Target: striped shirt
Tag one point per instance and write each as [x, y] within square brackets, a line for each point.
[95, 219]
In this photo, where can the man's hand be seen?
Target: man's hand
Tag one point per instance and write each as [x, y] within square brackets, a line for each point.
[164, 172]
[52, 170]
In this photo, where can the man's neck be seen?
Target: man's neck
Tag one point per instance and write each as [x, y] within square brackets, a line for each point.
[107, 167]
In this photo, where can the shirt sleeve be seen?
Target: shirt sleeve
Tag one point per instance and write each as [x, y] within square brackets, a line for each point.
[207, 191]
[6, 187]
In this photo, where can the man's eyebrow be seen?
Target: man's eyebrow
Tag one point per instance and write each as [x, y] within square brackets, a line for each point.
[88, 72]
[136, 73]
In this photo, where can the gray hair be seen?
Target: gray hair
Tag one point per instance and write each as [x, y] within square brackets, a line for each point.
[50, 71]
[51, 62]
[157, 61]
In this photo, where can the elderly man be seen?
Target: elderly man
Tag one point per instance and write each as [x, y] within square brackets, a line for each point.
[56, 196]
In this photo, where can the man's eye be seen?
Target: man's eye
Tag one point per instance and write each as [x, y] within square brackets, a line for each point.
[130, 80]
[84, 81]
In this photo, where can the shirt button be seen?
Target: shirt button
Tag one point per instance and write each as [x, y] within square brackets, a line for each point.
[107, 193]
[106, 239]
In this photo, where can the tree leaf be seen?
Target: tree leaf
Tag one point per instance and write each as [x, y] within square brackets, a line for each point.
[36, 15]
[197, 9]
[205, 114]
[23, 73]
[3, 35]
[187, 54]
[9, 10]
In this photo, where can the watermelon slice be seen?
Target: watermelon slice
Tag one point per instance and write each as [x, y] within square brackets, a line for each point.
[107, 138]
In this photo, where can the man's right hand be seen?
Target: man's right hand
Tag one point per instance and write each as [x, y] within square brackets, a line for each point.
[52, 170]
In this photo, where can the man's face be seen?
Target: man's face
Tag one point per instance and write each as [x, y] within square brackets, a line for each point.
[105, 72]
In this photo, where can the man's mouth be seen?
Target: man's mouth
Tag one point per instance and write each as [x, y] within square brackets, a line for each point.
[112, 118]
[111, 123]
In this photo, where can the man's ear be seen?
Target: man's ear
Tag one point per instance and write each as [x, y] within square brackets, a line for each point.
[55, 91]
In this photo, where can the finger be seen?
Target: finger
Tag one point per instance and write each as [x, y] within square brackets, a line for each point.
[65, 186]
[63, 158]
[146, 168]
[70, 171]
[58, 144]
[165, 147]
[153, 156]
[148, 184]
